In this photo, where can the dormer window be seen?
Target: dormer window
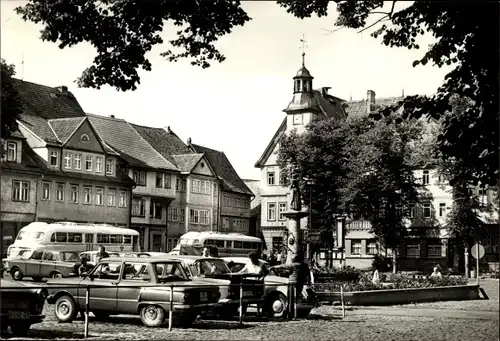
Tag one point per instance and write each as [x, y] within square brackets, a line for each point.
[84, 138]
[54, 159]
[11, 151]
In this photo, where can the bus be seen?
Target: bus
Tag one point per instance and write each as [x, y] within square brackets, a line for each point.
[227, 244]
[74, 236]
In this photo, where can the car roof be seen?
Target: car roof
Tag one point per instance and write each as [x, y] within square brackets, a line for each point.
[145, 259]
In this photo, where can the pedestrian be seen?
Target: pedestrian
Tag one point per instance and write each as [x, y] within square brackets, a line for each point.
[205, 252]
[278, 257]
[101, 254]
[256, 266]
[436, 273]
[83, 268]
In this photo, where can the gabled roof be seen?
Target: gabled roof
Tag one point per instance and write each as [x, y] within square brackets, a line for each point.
[359, 108]
[28, 160]
[132, 147]
[187, 162]
[224, 170]
[40, 127]
[254, 186]
[64, 128]
[270, 147]
[47, 102]
[166, 142]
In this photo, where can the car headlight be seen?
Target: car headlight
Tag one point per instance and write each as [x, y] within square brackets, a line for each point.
[43, 294]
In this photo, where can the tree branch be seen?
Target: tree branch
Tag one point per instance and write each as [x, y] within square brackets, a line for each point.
[332, 31]
[384, 18]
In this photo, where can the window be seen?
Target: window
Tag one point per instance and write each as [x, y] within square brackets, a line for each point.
[155, 209]
[180, 185]
[59, 237]
[194, 216]
[411, 211]
[99, 196]
[74, 237]
[159, 180]
[355, 246]
[98, 164]
[138, 207]
[195, 186]
[46, 190]
[123, 198]
[11, 151]
[215, 190]
[74, 194]
[227, 200]
[107, 271]
[271, 211]
[434, 248]
[426, 210]
[442, 209]
[282, 208]
[88, 163]
[67, 160]
[182, 215]
[78, 161]
[54, 158]
[49, 256]
[413, 250]
[204, 217]
[111, 197]
[110, 166]
[60, 191]
[139, 178]
[136, 272]
[37, 255]
[225, 223]
[173, 214]
[371, 247]
[271, 178]
[84, 138]
[425, 177]
[163, 180]
[87, 195]
[238, 244]
[277, 244]
[20, 190]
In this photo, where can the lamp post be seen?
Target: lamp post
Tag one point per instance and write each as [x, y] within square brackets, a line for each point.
[310, 183]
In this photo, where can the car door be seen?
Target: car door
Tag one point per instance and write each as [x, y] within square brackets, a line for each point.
[33, 264]
[48, 264]
[103, 287]
[133, 277]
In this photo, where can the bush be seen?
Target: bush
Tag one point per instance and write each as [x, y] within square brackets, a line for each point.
[329, 275]
[381, 263]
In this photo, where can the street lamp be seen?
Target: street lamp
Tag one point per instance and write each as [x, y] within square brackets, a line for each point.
[310, 183]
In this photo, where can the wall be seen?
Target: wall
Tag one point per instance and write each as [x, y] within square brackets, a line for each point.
[150, 188]
[17, 210]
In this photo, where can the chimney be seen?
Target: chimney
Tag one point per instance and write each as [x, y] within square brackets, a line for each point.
[324, 90]
[168, 129]
[189, 142]
[370, 100]
[63, 89]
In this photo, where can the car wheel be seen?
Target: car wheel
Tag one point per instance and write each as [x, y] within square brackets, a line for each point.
[276, 305]
[57, 275]
[101, 315]
[20, 328]
[152, 316]
[65, 309]
[16, 273]
[37, 279]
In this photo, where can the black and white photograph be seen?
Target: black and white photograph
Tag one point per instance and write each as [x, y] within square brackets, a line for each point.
[249, 170]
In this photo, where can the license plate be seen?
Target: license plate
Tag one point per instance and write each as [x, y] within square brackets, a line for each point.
[7, 304]
[203, 297]
[19, 315]
[247, 293]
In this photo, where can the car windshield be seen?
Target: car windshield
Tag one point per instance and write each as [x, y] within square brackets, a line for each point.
[170, 271]
[69, 256]
[207, 267]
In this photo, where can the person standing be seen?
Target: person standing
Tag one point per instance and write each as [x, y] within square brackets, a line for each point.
[278, 258]
[101, 254]
[256, 266]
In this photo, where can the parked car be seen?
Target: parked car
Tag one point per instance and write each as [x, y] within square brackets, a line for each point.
[22, 306]
[215, 270]
[92, 255]
[137, 286]
[145, 254]
[275, 291]
[41, 263]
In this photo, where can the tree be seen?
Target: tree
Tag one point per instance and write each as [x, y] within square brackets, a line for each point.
[123, 31]
[12, 105]
[460, 29]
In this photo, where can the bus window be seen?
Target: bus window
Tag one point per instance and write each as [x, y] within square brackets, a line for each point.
[219, 243]
[102, 238]
[127, 239]
[115, 238]
[74, 237]
[247, 245]
[229, 244]
[60, 237]
[238, 244]
[89, 238]
[39, 235]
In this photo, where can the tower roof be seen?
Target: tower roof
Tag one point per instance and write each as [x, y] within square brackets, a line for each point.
[303, 73]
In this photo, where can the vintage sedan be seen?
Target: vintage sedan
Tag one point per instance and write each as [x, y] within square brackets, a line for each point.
[214, 270]
[22, 306]
[41, 263]
[136, 286]
[275, 291]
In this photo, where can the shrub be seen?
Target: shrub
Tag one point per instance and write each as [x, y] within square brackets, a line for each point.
[329, 275]
[381, 263]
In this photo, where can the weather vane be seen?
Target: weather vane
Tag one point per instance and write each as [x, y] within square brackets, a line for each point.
[303, 47]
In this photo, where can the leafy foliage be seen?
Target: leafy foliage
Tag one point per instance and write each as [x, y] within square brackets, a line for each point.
[325, 275]
[124, 31]
[460, 29]
[12, 105]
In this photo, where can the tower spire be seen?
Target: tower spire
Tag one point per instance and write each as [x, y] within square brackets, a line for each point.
[303, 47]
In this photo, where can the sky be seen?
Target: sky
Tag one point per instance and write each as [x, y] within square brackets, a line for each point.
[235, 106]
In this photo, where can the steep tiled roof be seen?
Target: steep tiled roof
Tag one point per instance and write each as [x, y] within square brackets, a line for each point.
[28, 162]
[132, 147]
[224, 170]
[40, 127]
[359, 108]
[44, 101]
[65, 127]
[187, 162]
[254, 186]
[17, 134]
[166, 142]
